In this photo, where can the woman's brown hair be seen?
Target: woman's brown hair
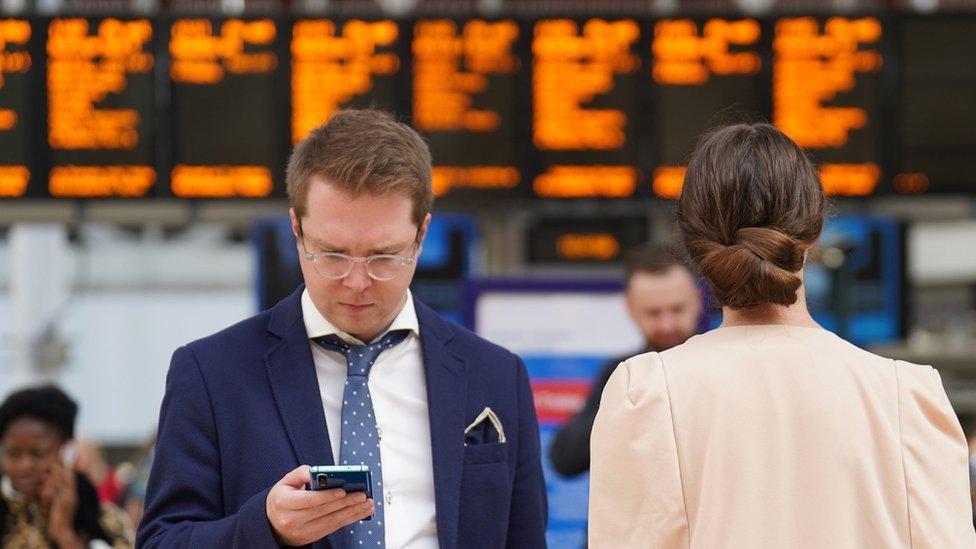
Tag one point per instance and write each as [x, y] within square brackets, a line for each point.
[751, 205]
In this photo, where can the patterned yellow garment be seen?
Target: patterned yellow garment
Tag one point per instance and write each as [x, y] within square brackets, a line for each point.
[26, 525]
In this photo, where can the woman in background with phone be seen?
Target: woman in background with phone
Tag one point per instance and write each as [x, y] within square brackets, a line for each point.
[43, 501]
[770, 431]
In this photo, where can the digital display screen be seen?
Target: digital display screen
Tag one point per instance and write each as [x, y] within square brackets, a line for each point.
[337, 64]
[936, 122]
[861, 297]
[465, 80]
[584, 240]
[826, 96]
[585, 98]
[705, 73]
[227, 138]
[100, 120]
[16, 108]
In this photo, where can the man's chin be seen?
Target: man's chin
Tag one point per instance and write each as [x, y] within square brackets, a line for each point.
[355, 325]
[667, 344]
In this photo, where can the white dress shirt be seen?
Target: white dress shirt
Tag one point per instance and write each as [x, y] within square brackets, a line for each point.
[398, 390]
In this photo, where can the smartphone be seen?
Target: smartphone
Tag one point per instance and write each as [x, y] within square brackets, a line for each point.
[351, 478]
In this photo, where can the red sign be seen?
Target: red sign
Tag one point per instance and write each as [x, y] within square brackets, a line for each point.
[558, 400]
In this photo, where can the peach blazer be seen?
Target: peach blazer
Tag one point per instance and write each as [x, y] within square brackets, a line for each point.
[777, 437]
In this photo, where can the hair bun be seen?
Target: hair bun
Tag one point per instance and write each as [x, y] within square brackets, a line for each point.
[758, 268]
[750, 206]
[772, 245]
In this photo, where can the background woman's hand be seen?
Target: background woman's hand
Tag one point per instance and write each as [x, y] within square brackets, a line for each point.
[60, 495]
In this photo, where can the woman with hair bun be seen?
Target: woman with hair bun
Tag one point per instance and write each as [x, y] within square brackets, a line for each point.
[769, 431]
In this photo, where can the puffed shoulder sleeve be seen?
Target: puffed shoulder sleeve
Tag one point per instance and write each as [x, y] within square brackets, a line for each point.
[636, 498]
[936, 460]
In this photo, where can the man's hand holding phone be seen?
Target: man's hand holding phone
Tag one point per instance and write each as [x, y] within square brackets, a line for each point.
[299, 516]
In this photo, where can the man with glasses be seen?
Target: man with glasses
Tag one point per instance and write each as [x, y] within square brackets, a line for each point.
[349, 370]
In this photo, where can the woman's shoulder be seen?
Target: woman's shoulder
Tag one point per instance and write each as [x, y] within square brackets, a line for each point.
[636, 376]
[920, 385]
[738, 350]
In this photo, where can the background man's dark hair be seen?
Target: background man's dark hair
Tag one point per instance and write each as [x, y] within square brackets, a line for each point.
[651, 258]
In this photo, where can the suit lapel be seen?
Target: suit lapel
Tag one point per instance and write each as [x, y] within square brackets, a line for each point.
[294, 384]
[446, 390]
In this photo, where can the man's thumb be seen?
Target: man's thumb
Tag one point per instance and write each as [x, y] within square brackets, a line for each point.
[297, 477]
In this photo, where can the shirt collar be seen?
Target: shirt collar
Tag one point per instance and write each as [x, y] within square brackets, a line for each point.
[316, 325]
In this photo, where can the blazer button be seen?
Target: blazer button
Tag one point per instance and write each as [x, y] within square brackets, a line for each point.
[379, 433]
[389, 498]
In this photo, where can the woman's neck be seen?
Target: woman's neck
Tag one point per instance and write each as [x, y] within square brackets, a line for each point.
[788, 315]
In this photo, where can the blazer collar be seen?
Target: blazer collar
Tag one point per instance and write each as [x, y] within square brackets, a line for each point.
[294, 384]
[286, 312]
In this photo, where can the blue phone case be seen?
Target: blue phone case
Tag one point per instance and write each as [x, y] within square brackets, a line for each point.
[351, 478]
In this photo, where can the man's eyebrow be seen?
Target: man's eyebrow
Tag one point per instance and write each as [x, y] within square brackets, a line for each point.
[387, 249]
[321, 244]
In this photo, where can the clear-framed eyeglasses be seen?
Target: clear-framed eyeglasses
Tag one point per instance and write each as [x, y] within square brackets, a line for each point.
[381, 267]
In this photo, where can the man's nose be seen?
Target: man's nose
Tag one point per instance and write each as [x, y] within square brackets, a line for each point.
[667, 323]
[357, 279]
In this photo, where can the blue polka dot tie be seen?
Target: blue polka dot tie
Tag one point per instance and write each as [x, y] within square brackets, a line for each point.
[360, 443]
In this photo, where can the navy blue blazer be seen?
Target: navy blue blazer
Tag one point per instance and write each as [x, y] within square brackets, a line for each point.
[242, 409]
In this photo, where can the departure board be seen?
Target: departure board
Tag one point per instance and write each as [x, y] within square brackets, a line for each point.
[936, 121]
[100, 101]
[705, 73]
[227, 121]
[16, 65]
[585, 101]
[187, 106]
[826, 96]
[338, 64]
[465, 76]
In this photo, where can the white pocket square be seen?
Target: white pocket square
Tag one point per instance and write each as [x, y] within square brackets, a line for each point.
[487, 415]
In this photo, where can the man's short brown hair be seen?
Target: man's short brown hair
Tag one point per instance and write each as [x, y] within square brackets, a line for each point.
[363, 152]
[652, 259]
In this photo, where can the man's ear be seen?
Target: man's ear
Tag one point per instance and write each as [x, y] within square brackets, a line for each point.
[423, 233]
[629, 302]
[294, 222]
